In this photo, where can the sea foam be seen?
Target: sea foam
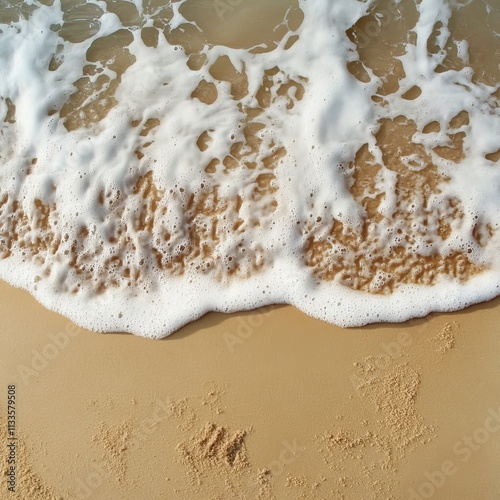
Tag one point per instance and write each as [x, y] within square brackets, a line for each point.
[149, 176]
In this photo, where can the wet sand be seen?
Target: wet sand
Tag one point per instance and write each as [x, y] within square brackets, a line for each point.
[266, 404]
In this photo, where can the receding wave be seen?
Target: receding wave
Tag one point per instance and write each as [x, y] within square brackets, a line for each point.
[160, 160]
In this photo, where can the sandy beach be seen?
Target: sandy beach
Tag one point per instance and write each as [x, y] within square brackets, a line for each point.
[271, 403]
[266, 404]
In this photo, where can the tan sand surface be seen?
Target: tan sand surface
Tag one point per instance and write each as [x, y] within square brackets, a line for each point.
[266, 404]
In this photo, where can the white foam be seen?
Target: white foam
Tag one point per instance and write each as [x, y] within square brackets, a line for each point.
[321, 134]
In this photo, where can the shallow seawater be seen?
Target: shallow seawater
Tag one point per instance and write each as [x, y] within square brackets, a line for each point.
[160, 160]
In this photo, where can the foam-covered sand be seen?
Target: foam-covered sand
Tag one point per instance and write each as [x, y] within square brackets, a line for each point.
[149, 177]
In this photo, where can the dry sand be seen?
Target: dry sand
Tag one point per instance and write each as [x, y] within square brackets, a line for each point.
[267, 404]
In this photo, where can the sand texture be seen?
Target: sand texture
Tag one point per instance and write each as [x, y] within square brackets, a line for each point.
[267, 405]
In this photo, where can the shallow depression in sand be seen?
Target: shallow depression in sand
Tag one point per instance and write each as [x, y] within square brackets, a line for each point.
[164, 159]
